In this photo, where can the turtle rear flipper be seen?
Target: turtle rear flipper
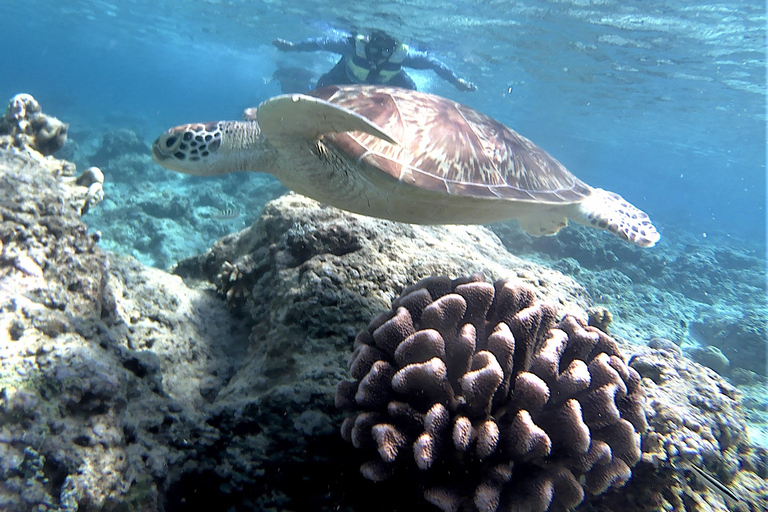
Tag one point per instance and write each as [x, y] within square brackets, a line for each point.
[543, 223]
[292, 115]
[609, 211]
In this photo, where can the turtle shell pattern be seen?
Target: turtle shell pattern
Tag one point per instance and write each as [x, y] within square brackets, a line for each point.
[450, 148]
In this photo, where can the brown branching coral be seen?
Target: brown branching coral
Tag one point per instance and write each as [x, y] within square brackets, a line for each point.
[493, 405]
[230, 280]
[235, 280]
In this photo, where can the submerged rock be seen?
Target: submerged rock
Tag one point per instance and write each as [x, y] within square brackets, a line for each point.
[27, 125]
[116, 144]
[740, 340]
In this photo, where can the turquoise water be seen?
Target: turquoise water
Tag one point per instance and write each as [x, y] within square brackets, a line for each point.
[663, 102]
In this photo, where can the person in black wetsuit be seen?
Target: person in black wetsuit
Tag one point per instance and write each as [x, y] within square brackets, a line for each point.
[373, 58]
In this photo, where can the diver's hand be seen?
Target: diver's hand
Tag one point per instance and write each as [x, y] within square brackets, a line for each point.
[465, 85]
[282, 44]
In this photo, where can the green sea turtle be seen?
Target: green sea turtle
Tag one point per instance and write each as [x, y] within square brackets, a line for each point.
[401, 155]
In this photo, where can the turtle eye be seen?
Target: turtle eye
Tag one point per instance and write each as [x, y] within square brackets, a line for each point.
[170, 141]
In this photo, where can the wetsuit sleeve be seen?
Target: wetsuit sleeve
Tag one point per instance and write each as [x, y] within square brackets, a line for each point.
[422, 60]
[341, 44]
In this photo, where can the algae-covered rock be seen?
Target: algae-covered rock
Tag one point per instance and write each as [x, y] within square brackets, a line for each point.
[105, 365]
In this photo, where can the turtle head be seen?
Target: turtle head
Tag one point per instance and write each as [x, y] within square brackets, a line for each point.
[209, 149]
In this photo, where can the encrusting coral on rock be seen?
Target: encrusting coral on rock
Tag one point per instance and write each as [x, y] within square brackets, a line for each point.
[491, 403]
[31, 137]
[599, 317]
[25, 122]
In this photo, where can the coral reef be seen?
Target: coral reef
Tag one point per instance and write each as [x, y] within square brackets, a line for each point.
[500, 409]
[26, 124]
[309, 277]
[695, 419]
[741, 338]
[118, 143]
[124, 388]
[675, 292]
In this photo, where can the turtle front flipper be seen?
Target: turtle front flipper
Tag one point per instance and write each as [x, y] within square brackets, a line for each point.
[290, 115]
[609, 211]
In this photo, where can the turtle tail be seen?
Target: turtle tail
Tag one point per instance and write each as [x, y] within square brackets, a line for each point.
[609, 211]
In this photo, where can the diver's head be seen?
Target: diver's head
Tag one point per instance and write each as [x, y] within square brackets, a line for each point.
[380, 46]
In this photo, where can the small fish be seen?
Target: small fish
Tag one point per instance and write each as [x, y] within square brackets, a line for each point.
[732, 500]
[226, 214]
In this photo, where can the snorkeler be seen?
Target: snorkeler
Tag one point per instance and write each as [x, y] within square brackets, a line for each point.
[373, 58]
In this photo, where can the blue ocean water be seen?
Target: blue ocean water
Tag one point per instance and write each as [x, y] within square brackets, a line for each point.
[661, 101]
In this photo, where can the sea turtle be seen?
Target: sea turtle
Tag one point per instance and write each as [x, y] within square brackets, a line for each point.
[401, 155]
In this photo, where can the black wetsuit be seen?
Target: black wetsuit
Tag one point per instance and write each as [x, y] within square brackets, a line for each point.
[345, 45]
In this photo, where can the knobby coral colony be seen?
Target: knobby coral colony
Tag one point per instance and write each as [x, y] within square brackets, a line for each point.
[494, 405]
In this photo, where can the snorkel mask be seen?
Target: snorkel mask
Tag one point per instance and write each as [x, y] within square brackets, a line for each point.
[380, 46]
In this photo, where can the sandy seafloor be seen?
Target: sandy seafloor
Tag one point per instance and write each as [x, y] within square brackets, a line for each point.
[691, 147]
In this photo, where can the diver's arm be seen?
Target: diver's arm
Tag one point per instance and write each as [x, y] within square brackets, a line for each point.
[340, 43]
[422, 60]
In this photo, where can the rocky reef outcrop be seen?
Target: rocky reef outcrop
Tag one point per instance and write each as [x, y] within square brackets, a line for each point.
[105, 365]
[27, 126]
[676, 292]
[695, 418]
[310, 277]
[25, 133]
